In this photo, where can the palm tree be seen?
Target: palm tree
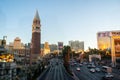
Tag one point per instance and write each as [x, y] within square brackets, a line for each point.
[66, 57]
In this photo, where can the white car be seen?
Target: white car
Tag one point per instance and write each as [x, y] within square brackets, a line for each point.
[75, 63]
[109, 75]
[78, 69]
[97, 69]
[80, 64]
[92, 70]
[45, 66]
[93, 66]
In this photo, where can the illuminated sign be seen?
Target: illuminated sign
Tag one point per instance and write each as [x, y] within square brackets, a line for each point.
[6, 58]
[115, 33]
[103, 34]
[60, 45]
[104, 39]
[117, 47]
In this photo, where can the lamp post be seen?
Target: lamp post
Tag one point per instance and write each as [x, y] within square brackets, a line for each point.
[25, 66]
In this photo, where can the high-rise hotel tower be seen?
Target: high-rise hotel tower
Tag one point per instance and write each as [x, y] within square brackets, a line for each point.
[36, 38]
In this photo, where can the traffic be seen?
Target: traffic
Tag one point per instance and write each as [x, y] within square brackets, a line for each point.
[91, 71]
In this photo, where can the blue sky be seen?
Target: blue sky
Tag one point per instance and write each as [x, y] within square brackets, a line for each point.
[61, 20]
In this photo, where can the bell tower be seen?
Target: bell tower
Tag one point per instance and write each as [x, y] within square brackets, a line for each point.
[36, 38]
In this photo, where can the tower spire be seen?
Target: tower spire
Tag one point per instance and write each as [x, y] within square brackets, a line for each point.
[36, 38]
[37, 15]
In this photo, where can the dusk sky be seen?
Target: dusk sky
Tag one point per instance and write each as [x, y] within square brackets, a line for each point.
[61, 20]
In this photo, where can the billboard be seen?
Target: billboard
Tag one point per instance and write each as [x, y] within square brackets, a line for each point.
[117, 47]
[103, 40]
[60, 45]
[6, 58]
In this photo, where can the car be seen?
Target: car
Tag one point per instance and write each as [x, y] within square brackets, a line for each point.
[93, 66]
[107, 76]
[97, 69]
[75, 63]
[78, 69]
[72, 64]
[46, 66]
[85, 63]
[92, 70]
[88, 66]
[80, 64]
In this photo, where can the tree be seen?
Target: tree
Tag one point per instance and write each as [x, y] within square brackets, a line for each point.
[66, 57]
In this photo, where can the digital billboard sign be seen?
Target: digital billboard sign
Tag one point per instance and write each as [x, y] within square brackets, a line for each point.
[103, 39]
[117, 47]
[60, 45]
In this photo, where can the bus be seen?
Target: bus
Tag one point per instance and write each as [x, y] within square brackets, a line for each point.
[106, 69]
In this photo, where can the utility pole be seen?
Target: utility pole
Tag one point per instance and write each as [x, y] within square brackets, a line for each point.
[25, 64]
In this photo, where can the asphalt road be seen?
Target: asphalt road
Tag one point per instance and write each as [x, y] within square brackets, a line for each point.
[55, 71]
[85, 74]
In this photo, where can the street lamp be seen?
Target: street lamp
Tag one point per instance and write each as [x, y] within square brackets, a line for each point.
[25, 64]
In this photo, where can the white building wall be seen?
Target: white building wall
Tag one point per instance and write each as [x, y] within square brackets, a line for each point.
[76, 45]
